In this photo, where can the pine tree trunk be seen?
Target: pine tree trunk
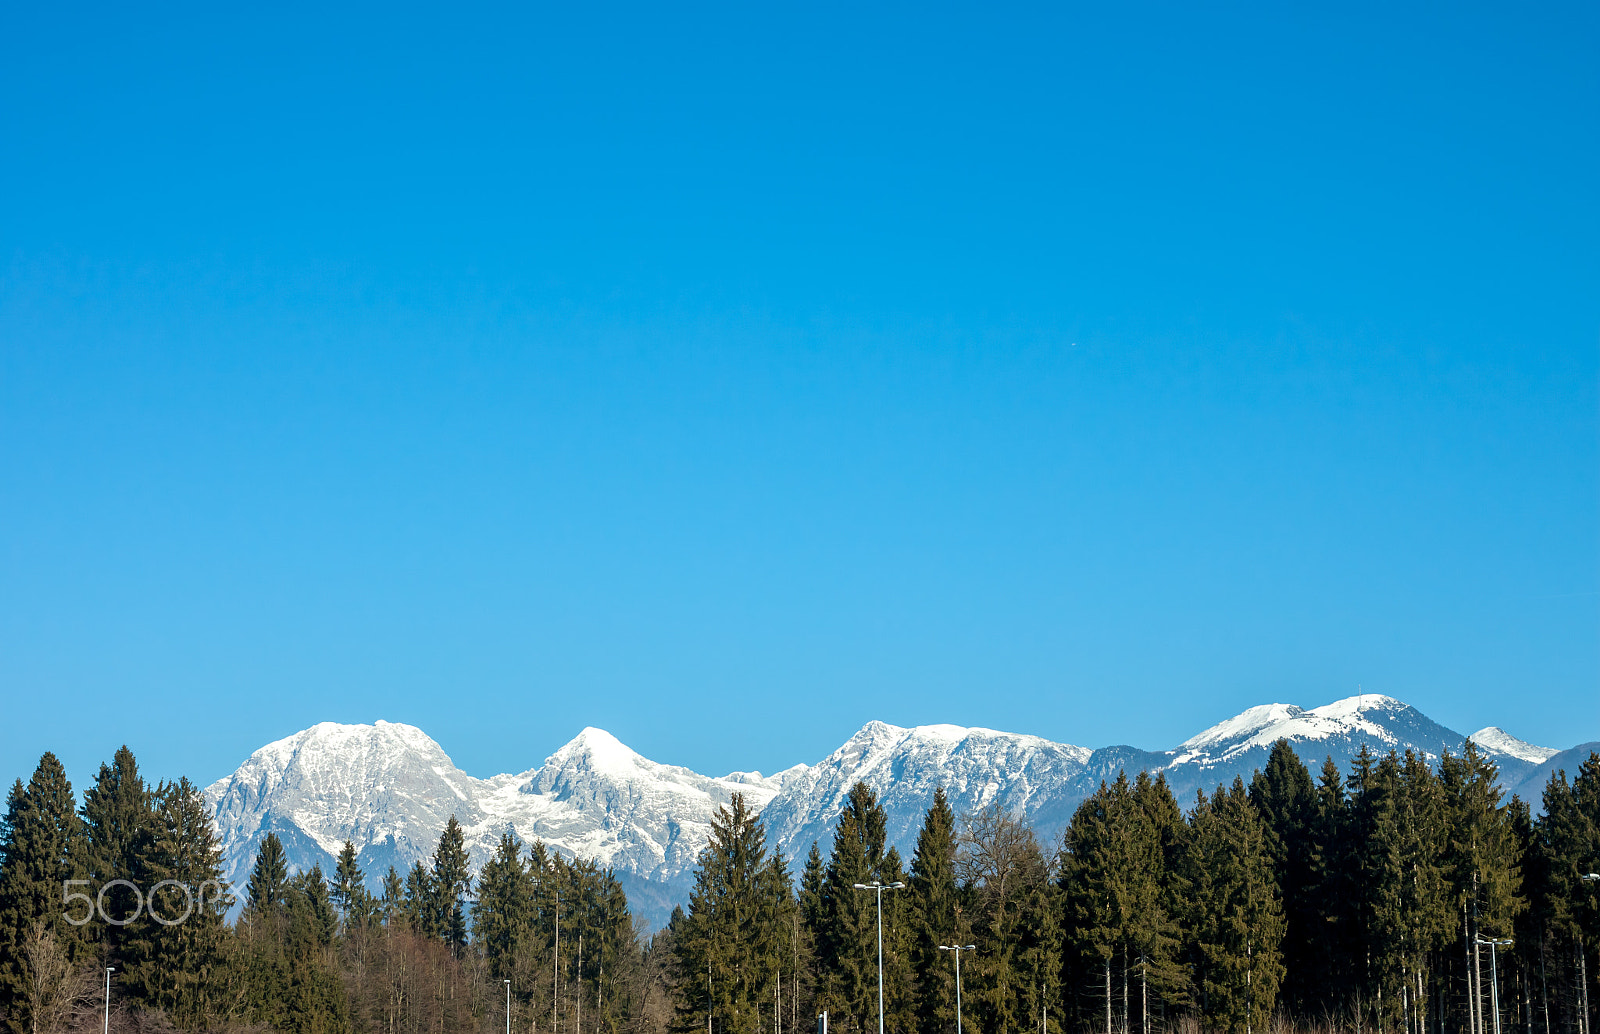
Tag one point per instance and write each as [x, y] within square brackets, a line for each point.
[1108, 994]
[1144, 996]
[1124, 989]
[1544, 983]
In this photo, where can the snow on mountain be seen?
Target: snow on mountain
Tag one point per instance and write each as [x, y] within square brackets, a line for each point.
[1378, 721]
[385, 787]
[976, 767]
[389, 789]
[1495, 739]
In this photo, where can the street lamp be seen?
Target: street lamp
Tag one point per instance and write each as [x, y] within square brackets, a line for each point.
[1494, 976]
[958, 949]
[105, 1026]
[879, 888]
[508, 1006]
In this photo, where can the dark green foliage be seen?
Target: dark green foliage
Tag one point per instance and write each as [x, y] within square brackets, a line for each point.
[937, 917]
[267, 893]
[177, 952]
[1236, 919]
[736, 936]
[503, 917]
[356, 905]
[41, 847]
[846, 933]
[450, 884]
[117, 821]
[1120, 886]
[1286, 799]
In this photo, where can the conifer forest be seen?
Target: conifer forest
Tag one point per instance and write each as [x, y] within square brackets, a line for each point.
[1405, 896]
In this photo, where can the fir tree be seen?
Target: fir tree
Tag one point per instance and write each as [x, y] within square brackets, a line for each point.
[116, 817]
[451, 883]
[937, 920]
[1237, 920]
[1328, 979]
[503, 914]
[849, 932]
[392, 902]
[267, 892]
[176, 957]
[732, 941]
[40, 849]
[419, 907]
[312, 901]
[1285, 797]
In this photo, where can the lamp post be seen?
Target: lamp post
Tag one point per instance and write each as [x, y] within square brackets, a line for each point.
[508, 1006]
[958, 949]
[105, 1025]
[879, 888]
[1494, 976]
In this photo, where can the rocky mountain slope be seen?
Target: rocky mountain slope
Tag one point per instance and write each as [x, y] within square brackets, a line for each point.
[389, 788]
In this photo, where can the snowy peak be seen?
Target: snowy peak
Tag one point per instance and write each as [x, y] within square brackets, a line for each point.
[597, 765]
[1249, 726]
[976, 767]
[1496, 740]
[1371, 718]
[597, 751]
[389, 789]
[1366, 711]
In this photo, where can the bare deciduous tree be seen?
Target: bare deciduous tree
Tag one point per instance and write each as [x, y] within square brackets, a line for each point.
[55, 986]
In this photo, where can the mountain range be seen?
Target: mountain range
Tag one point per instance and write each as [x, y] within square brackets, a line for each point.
[389, 789]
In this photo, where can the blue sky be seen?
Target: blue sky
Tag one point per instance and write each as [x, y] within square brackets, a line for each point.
[727, 377]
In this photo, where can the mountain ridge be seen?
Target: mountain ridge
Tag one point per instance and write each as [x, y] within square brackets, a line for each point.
[389, 788]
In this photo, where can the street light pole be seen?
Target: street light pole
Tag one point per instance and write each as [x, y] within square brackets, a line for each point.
[958, 949]
[508, 1007]
[105, 1025]
[879, 888]
[1494, 976]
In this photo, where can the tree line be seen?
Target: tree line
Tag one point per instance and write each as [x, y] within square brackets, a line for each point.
[1402, 897]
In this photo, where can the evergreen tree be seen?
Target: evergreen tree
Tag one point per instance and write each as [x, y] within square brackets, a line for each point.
[733, 940]
[40, 849]
[117, 821]
[419, 908]
[177, 954]
[312, 902]
[937, 918]
[501, 920]
[1481, 864]
[1094, 870]
[848, 934]
[451, 883]
[1286, 799]
[349, 890]
[1334, 885]
[1237, 920]
[267, 892]
[392, 902]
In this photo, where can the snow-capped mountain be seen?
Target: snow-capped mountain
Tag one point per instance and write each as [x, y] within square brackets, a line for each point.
[976, 767]
[1493, 738]
[389, 789]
